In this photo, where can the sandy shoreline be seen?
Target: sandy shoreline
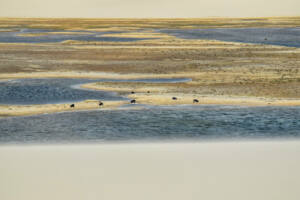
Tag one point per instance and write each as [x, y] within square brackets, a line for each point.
[208, 170]
[159, 94]
[222, 73]
[21, 110]
[89, 75]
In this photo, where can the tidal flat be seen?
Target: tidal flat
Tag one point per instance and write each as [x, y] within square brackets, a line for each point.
[239, 140]
[220, 72]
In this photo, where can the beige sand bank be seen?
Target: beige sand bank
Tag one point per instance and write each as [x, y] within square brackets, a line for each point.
[20, 110]
[166, 99]
[115, 24]
[221, 72]
[214, 171]
[86, 74]
[161, 94]
[138, 35]
[52, 33]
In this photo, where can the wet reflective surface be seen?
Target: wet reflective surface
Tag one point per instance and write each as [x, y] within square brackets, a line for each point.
[274, 36]
[44, 91]
[16, 36]
[154, 123]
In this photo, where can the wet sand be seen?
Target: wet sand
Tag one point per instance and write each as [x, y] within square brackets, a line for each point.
[162, 94]
[21, 110]
[219, 170]
[221, 72]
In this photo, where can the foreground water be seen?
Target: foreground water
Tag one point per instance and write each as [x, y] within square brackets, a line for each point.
[154, 123]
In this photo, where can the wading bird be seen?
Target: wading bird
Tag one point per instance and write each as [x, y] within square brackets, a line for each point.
[133, 101]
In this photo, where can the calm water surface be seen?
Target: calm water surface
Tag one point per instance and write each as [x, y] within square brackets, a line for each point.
[154, 123]
[44, 91]
[273, 36]
[15, 36]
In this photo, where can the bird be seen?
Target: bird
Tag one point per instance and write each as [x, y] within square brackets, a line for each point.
[100, 103]
[133, 101]
[174, 98]
[132, 92]
[72, 106]
[195, 101]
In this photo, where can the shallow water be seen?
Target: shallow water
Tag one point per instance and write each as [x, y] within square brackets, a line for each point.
[44, 91]
[154, 123]
[273, 36]
[14, 37]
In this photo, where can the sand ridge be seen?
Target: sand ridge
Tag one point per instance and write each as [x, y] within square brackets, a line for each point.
[21, 110]
[160, 94]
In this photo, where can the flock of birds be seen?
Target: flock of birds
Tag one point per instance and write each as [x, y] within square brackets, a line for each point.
[133, 101]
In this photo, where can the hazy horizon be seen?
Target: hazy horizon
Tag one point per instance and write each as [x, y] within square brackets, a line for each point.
[148, 9]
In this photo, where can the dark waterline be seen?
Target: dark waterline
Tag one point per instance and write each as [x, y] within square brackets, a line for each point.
[272, 36]
[174, 123]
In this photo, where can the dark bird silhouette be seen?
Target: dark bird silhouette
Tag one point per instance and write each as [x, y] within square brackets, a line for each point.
[100, 103]
[132, 92]
[72, 106]
[174, 98]
[133, 101]
[148, 91]
[195, 101]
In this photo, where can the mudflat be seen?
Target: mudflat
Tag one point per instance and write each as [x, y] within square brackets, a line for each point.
[221, 72]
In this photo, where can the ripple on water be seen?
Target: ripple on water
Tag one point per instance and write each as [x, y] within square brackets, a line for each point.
[154, 123]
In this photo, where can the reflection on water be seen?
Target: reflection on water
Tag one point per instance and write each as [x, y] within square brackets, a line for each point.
[154, 123]
[274, 36]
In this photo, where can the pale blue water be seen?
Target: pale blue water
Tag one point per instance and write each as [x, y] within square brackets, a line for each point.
[13, 37]
[273, 36]
[44, 91]
[143, 123]
[174, 123]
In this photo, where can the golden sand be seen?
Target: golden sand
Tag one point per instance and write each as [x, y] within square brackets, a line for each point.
[159, 94]
[19, 110]
[52, 33]
[176, 23]
[138, 35]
